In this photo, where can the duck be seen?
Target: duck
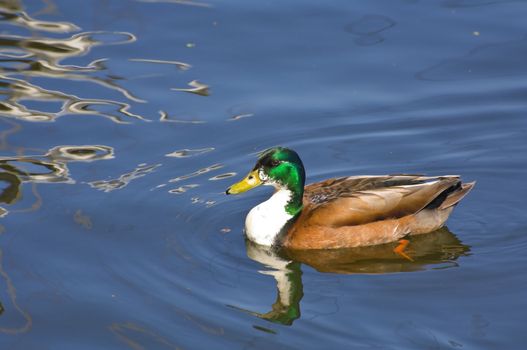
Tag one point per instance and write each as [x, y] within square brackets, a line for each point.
[344, 212]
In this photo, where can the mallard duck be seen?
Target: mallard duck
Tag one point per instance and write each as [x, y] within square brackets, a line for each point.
[344, 212]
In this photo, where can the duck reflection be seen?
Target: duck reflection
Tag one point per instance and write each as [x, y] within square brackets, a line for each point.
[288, 277]
[436, 250]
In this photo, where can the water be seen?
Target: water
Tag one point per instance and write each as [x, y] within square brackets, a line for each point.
[115, 230]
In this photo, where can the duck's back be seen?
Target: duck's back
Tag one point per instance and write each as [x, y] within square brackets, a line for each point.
[367, 210]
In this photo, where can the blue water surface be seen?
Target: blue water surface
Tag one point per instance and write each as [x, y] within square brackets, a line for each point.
[123, 122]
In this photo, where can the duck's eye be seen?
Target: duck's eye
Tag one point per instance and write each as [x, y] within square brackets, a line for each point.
[274, 162]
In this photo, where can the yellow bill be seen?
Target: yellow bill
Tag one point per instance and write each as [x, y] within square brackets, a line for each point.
[249, 182]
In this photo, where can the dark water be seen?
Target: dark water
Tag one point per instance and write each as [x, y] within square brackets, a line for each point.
[115, 230]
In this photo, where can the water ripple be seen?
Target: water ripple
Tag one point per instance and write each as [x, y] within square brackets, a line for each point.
[20, 18]
[166, 119]
[479, 63]
[185, 153]
[85, 153]
[179, 65]
[368, 29]
[183, 189]
[29, 169]
[240, 116]
[222, 176]
[18, 90]
[50, 167]
[196, 88]
[134, 335]
[472, 3]
[120, 115]
[123, 180]
[197, 173]
[179, 2]
[23, 57]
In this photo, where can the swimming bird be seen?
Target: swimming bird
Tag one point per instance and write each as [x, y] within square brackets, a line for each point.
[344, 212]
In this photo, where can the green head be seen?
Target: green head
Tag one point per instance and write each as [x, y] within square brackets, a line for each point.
[279, 167]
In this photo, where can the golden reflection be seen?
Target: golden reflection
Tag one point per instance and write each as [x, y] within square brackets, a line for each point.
[25, 57]
[437, 250]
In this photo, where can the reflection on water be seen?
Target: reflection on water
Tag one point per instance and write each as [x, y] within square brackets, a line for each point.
[184, 153]
[50, 167]
[288, 277]
[437, 250]
[164, 117]
[80, 153]
[195, 88]
[10, 190]
[123, 180]
[23, 57]
[222, 176]
[11, 12]
[183, 189]
[29, 169]
[179, 65]
[180, 2]
[197, 173]
[342, 89]
[240, 116]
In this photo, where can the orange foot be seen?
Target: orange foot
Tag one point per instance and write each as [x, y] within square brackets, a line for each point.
[403, 243]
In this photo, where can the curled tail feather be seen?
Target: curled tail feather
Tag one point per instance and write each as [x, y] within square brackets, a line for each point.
[455, 196]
